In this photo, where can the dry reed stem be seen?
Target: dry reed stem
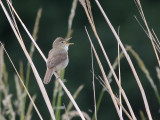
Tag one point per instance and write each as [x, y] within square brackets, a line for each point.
[104, 76]
[124, 110]
[129, 61]
[119, 71]
[156, 36]
[39, 81]
[103, 83]
[138, 4]
[155, 41]
[116, 63]
[107, 59]
[93, 83]
[22, 82]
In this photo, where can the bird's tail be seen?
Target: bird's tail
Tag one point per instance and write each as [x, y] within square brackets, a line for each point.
[47, 77]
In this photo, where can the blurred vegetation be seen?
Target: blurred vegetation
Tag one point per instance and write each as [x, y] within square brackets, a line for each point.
[54, 23]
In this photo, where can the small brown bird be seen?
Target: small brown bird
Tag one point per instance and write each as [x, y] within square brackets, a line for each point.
[57, 58]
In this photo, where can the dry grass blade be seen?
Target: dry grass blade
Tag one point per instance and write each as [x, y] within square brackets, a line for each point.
[93, 83]
[120, 93]
[129, 61]
[22, 83]
[124, 110]
[89, 10]
[104, 76]
[108, 61]
[39, 81]
[115, 64]
[138, 4]
[156, 37]
[119, 71]
[155, 42]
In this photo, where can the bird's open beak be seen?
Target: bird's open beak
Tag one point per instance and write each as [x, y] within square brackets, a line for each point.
[67, 43]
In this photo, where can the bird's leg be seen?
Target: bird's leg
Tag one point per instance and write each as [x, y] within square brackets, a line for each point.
[59, 74]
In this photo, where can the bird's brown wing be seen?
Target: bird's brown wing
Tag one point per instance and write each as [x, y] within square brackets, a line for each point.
[56, 59]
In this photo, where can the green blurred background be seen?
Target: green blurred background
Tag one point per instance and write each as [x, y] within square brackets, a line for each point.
[54, 22]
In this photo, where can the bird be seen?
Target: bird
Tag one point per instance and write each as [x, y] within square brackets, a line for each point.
[57, 58]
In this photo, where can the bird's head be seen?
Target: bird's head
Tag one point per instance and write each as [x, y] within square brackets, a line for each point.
[61, 43]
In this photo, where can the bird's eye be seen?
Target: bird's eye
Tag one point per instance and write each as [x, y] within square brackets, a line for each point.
[62, 42]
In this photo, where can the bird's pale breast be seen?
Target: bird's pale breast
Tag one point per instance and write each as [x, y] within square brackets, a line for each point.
[62, 65]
